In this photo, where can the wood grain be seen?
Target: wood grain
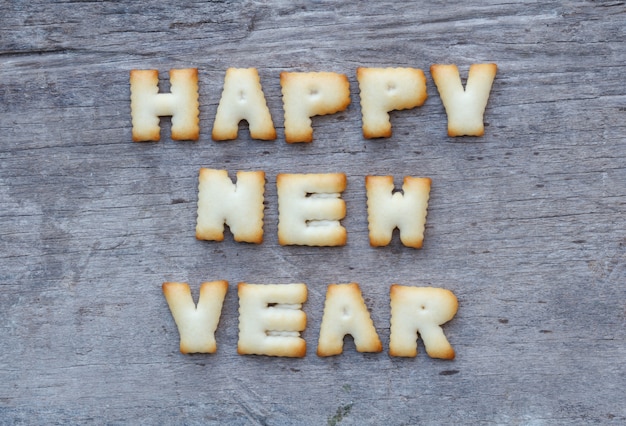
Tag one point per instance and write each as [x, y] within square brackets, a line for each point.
[525, 225]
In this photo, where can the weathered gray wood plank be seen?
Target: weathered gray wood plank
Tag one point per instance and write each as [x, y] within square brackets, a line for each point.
[525, 225]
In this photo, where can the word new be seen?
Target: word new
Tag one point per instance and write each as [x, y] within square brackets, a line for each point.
[271, 319]
[305, 95]
[309, 208]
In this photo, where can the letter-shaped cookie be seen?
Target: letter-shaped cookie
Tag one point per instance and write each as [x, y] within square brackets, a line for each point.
[243, 99]
[147, 104]
[387, 210]
[388, 89]
[420, 310]
[345, 313]
[308, 94]
[465, 107]
[271, 319]
[196, 324]
[309, 209]
[240, 206]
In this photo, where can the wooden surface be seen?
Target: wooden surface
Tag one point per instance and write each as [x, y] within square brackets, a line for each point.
[525, 225]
